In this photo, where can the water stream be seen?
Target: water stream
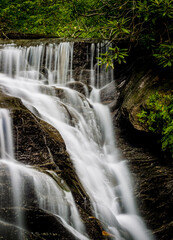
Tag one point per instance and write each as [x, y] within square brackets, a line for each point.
[37, 75]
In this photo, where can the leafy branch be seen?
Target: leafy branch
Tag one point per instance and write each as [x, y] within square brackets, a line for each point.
[115, 54]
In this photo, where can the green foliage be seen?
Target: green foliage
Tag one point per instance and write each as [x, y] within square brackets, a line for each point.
[115, 54]
[164, 55]
[155, 9]
[158, 118]
[36, 16]
[144, 22]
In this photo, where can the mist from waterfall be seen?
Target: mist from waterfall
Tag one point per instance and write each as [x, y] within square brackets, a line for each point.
[37, 75]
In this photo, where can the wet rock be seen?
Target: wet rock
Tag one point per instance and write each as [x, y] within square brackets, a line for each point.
[80, 59]
[153, 182]
[85, 76]
[109, 96]
[38, 224]
[80, 87]
[44, 71]
[15, 35]
[10, 232]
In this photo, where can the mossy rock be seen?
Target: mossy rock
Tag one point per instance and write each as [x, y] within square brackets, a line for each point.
[136, 92]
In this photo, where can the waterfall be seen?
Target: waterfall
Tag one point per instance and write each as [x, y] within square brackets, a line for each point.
[6, 141]
[99, 76]
[38, 62]
[39, 76]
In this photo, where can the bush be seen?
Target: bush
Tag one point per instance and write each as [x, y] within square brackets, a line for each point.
[157, 116]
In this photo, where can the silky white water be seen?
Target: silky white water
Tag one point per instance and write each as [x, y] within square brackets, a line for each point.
[6, 141]
[36, 75]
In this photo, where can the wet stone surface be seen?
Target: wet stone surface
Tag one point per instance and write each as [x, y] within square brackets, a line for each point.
[153, 182]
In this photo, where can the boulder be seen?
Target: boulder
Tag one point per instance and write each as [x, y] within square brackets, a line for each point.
[109, 95]
[80, 87]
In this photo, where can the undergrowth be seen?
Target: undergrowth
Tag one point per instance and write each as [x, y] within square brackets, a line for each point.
[157, 116]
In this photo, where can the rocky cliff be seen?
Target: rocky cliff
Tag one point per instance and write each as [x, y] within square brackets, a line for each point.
[153, 176]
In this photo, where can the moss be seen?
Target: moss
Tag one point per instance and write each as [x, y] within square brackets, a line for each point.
[9, 102]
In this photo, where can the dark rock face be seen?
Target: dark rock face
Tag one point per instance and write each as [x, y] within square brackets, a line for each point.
[11, 232]
[41, 146]
[109, 96]
[39, 225]
[153, 182]
[80, 61]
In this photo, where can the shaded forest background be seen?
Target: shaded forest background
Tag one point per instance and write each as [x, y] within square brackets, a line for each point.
[146, 22]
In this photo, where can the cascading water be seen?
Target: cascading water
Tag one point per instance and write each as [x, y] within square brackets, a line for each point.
[38, 63]
[86, 127]
[6, 141]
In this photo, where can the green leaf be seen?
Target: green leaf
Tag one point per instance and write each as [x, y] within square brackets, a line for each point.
[169, 64]
[125, 30]
[146, 17]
